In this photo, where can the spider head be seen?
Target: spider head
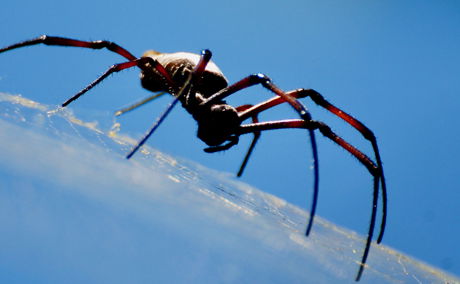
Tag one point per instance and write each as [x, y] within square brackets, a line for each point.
[217, 124]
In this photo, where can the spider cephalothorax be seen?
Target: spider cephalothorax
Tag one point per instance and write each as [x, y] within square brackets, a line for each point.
[217, 124]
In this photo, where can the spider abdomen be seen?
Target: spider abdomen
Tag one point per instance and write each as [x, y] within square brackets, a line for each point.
[179, 65]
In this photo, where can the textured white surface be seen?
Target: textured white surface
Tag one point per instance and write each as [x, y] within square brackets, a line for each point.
[74, 210]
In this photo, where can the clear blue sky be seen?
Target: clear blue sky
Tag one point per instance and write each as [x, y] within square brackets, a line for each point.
[393, 65]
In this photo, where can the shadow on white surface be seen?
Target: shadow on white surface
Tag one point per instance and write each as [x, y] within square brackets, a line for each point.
[74, 210]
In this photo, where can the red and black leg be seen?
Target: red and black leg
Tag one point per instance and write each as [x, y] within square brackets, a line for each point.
[142, 63]
[365, 131]
[263, 80]
[291, 98]
[62, 41]
[256, 137]
[367, 134]
[327, 132]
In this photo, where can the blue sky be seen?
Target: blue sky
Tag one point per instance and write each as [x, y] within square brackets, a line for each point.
[393, 65]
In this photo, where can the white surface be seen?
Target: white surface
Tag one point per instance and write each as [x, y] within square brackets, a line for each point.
[74, 210]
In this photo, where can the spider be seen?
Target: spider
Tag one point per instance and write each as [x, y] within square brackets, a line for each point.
[198, 84]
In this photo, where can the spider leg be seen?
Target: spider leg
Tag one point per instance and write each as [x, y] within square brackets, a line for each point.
[256, 79]
[375, 170]
[312, 125]
[99, 44]
[138, 104]
[254, 140]
[272, 102]
[253, 111]
[232, 141]
[367, 134]
[158, 122]
[328, 133]
[263, 80]
[246, 111]
[194, 76]
[365, 131]
[141, 62]
[61, 41]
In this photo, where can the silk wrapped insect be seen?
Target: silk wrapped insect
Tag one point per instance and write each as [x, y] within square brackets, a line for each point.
[200, 86]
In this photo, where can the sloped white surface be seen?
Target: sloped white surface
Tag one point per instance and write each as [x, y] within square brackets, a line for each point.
[74, 210]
